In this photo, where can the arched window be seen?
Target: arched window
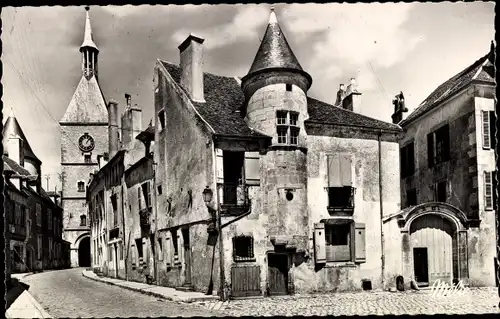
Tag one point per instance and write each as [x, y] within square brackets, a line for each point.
[81, 186]
[83, 220]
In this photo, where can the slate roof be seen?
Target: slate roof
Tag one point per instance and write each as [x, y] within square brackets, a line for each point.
[224, 97]
[12, 127]
[11, 166]
[482, 70]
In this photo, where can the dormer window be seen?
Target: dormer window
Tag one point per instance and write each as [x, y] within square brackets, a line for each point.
[287, 127]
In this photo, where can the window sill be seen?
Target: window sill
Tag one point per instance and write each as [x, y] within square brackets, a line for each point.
[340, 264]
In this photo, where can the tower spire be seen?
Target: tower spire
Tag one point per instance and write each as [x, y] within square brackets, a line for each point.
[87, 38]
[89, 50]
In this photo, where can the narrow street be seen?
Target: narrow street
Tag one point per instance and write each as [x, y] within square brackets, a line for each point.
[67, 294]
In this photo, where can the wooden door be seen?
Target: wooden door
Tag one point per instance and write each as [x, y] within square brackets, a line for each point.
[421, 266]
[278, 274]
[245, 281]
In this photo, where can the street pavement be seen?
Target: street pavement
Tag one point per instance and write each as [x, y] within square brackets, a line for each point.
[67, 294]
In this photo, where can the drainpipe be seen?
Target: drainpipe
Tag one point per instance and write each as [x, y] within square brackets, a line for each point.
[381, 206]
[153, 164]
[123, 225]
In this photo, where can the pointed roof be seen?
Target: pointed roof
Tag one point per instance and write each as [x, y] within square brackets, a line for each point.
[274, 51]
[481, 70]
[87, 104]
[12, 127]
[87, 38]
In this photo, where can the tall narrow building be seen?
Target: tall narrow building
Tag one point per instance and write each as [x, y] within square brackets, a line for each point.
[84, 135]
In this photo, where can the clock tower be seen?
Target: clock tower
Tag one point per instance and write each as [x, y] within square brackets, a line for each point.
[84, 135]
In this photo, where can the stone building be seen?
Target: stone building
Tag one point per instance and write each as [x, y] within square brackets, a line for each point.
[84, 130]
[448, 176]
[301, 185]
[33, 218]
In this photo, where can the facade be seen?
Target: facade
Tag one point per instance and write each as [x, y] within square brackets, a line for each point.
[84, 130]
[447, 226]
[33, 218]
[300, 185]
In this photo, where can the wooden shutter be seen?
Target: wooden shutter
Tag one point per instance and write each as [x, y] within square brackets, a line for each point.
[252, 168]
[134, 257]
[319, 243]
[488, 190]
[168, 248]
[346, 170]
[145, 253]
[360, 243]
[180, 245]
[334, 177]
[486, 129]
[219, 164]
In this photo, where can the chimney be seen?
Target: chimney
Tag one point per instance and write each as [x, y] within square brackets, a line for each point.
[352, 99]
[340, 95]
[191, 63]
[399, 108]
[113, 127]
[131, 122]
[15, 149]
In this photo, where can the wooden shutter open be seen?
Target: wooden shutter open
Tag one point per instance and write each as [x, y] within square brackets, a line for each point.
[145, 253]
[486, 129]
[134, 256]
[346, 170]
[319, 243]
[252, 168]
[180, 246]
[334, 177]
[488, 190]
[219, 165]
[360, 243]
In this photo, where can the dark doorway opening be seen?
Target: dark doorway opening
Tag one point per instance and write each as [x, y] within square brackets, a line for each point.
[187, 256]
[233, 175]
[84, 252]
[277, 274]
[421, 266]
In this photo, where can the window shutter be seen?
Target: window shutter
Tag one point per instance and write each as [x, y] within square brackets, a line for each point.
[334, 177]
[219, 165]
[252, 168]
[488, 190]
[319, 243]
[486, 129]
[430, 149]
[145, 252]
[180, 245]
[132, 250]
[360, 243]
[161, 247]
[168, 249]
[346, 170]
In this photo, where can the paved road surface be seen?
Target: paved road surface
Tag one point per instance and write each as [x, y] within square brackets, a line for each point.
[67, 294]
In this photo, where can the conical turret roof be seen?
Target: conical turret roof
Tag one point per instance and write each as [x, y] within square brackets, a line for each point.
[12, 127]
[274, 51]
[87, 38]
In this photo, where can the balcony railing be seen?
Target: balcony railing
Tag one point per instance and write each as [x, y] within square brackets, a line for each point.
[233, 198]
[341, 200]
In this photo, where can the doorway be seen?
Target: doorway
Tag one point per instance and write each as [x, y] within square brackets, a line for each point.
[421, 266]
[277, 274]
[84, 252]
[187, 257]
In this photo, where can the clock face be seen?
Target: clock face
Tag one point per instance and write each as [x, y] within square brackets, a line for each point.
[86, 143]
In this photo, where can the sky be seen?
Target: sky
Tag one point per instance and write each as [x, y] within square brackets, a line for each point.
[388, 48]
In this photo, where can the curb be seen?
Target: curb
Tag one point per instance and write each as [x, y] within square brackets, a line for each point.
[151, 293]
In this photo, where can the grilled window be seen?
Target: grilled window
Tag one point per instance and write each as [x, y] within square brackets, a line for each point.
[243, 248]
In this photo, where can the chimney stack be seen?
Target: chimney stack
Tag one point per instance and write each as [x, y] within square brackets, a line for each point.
[15, 149]
[340, 95]
[352, 99]
[191, 63]
[131, 122]
[113, 127]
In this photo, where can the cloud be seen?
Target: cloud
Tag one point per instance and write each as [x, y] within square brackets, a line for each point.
[243, 27]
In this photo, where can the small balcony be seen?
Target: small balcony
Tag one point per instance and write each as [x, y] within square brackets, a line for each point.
[341, 200]
[233, 199]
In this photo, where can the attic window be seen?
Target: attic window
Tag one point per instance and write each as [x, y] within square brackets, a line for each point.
[161, 119]
[289, 87]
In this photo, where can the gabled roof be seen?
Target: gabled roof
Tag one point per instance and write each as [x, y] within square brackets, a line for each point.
[481, 70]
[87, 104]
[12, 127]
[224, 98]
[274, 51]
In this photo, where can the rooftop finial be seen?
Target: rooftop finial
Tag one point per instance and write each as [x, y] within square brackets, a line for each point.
[272, 17]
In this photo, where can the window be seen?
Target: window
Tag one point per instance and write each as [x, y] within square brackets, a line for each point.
[83, 220]
[243, 248]
[40, 246]
[340, 188]
[440, 192]
[489, 191]
[288, 87]
[39, 214]
[287, 127]
[438, 146]
[138, 244]
[147, 194]
[161, 119]
[489, 123]
[411, 197]
[87, 159]
[174, 242]
[81, 186]
[408, 160]
[159, 190]
[49, 218]
[338, 241]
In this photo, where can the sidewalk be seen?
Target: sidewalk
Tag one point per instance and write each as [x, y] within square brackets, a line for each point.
[24, 305]
[157, 291]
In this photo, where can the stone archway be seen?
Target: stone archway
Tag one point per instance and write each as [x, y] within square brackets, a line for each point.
[436, 234]
[84, 252]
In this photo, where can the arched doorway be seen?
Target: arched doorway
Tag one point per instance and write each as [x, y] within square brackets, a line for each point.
[433, 239]
[84, 252]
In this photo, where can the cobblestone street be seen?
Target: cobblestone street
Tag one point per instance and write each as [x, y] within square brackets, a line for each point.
[475, 301]
[67, 294]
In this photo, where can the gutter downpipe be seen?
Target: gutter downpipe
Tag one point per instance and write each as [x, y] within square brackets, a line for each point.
[153, 164]
[381, 206]
[123, 225]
